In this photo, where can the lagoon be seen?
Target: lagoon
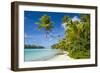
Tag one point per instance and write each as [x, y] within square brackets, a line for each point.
[39, 54]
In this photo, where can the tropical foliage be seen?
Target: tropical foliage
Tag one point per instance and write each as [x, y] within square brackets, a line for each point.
[45, 23]
[77, 37]
[76, 41]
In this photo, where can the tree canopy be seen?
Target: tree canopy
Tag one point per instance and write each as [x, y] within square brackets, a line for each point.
[77, 37]
[45, 23]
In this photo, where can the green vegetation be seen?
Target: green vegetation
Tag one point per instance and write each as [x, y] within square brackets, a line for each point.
[32, 46]
[77, 37]
[76, 40]
[45, 23]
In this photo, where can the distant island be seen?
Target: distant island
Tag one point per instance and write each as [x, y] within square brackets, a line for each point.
[32, 46]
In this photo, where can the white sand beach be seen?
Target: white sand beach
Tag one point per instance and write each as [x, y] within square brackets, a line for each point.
[61, 57]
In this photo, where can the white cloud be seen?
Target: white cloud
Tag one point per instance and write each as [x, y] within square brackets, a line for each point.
[25, 35]
[64, 26]
[28, 36]
[75, 18]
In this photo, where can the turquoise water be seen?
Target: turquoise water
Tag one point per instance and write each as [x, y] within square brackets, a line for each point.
[39, 54]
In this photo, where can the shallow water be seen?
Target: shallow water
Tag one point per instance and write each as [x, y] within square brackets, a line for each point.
[39, 54]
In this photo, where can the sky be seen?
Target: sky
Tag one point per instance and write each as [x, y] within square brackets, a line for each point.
[32, 35]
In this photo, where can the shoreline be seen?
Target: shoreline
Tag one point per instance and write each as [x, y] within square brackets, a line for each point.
[64, 56]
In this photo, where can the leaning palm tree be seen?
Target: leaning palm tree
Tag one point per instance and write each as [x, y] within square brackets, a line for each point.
[46, 24]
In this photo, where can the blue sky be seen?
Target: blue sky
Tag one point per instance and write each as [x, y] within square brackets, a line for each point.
[34, 36]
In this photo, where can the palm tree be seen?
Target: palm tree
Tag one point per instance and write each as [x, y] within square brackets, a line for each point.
[46, 24]
[77, 37]
[66, 21]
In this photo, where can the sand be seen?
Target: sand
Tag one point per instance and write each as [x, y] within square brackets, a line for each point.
[61, 57]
